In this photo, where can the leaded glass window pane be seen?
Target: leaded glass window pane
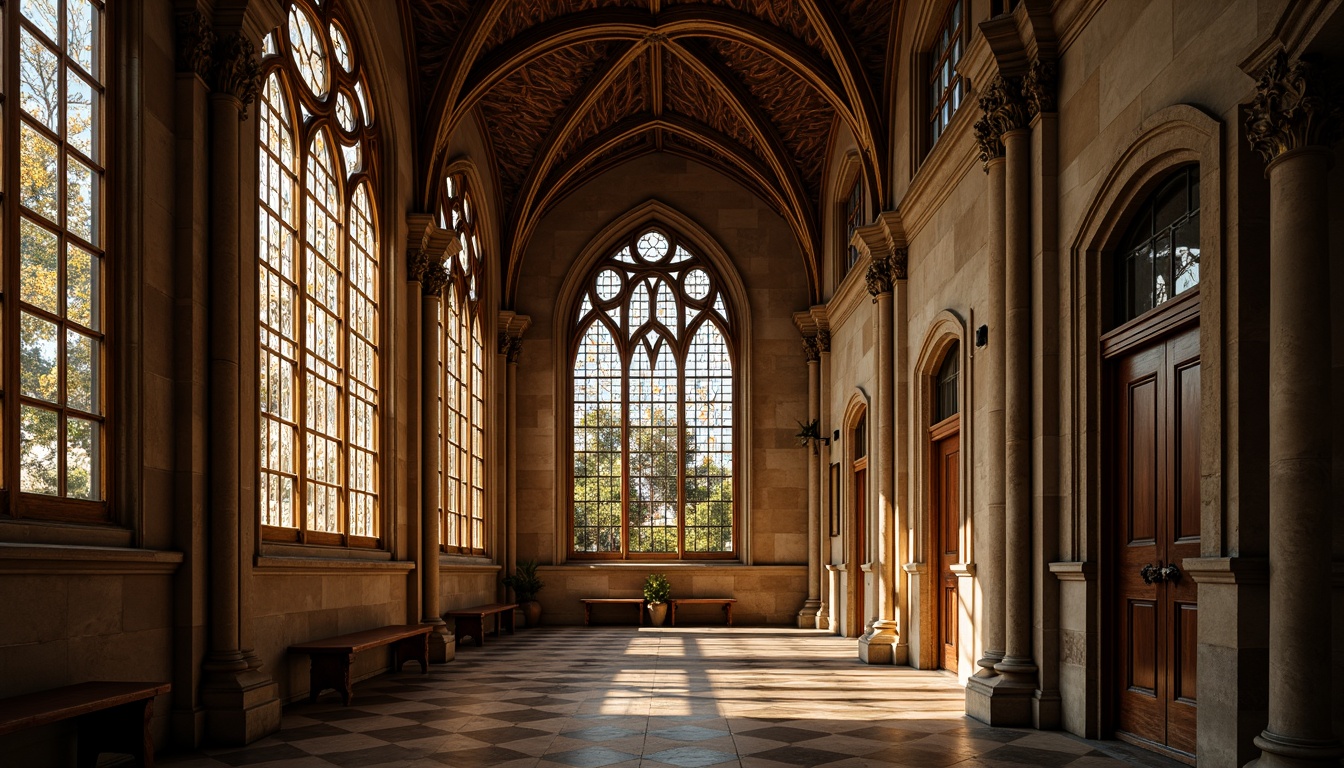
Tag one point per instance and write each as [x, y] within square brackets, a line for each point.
[1160, 256]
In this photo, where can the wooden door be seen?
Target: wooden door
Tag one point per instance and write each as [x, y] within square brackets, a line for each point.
[945, 513]
[860, 543]
[1155, 482]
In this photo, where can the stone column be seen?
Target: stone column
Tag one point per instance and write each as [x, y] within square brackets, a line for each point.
[822, 551]
[427, 268]
[240, 701]
[1292, 125]
[511, 331]
[876, 646]
[807, 617]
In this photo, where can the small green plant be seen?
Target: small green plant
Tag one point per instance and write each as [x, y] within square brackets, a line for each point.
[524, 581]
[657, 588]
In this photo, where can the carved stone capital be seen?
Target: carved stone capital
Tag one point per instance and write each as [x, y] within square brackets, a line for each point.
[880, 277]
[195, 44]
[824, 340]
[900, 257]
[1005, 109]
[1294, 107]
[429, 272]
[1041, 86]
[511, 347]
[811, 351]
[235, 69]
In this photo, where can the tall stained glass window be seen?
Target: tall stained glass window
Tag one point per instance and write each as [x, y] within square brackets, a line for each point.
[463, 382]
[318, 286]
[53, 401]
[653, 416]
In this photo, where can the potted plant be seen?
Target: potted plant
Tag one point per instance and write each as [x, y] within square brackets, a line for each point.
[656, 591]
[525, 585]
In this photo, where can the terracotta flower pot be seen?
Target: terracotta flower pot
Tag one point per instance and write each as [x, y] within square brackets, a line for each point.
[657, 614]
[531, 613]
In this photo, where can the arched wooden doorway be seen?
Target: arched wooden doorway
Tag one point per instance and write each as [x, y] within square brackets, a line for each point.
[858, 522]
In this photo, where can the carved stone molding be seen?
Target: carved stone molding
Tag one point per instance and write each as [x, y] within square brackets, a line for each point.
[195, 44]
[880, 277]
[1295, 106]
[429, 272]
[811, 350]
[235, 70]
[824, 340]
[1041, 86]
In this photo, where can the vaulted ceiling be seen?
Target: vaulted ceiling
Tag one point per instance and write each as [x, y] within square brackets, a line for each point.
[566, 89]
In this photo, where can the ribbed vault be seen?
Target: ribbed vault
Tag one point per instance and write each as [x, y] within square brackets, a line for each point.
[566, 89]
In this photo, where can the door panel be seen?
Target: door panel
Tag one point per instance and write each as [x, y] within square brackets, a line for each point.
[860, 546]
[1155, 479]
[947, 514]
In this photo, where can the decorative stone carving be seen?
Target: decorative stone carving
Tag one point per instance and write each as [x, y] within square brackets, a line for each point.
[195, 44]
[824, 340]
[1005, 110]
[429, 272]
[515, 350]
[899, 258]
[236, 71]
[811, 350]
[1292, 109]
[1041, 86]
[880, 276]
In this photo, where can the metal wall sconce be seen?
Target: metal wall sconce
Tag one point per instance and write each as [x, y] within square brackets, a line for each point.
[982, 336]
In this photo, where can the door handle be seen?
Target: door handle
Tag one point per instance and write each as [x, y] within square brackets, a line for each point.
[1151, 575]
[1170, 573]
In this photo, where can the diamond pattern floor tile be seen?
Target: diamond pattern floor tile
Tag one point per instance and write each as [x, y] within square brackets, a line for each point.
[610, 697]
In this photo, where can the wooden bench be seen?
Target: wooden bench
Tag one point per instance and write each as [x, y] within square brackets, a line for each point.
[111, 717]
[589, 602]
[471, 621]
[330, 660]
[726, 602]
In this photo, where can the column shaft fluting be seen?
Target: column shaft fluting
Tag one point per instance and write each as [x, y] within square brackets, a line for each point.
[1017, 659]
[989, 434]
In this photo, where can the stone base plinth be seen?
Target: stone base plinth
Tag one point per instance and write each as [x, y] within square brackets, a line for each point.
[239, 707]
[878, 646]
[998, 702]
[442, 646]
[807, 617]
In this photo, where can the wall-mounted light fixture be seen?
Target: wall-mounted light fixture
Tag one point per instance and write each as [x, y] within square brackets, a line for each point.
[835, 436]
[982, 336]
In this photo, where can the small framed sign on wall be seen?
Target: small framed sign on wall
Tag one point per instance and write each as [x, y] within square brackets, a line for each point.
[835, 500]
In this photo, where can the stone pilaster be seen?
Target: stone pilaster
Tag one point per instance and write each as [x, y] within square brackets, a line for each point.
[877, 644]
[822, 551]
[1292, 123]
[511, 329]
[807, 617]
[1001, 692]
[429, 250]
[240, 701]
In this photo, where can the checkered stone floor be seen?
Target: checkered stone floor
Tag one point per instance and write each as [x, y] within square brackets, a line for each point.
[586, 697]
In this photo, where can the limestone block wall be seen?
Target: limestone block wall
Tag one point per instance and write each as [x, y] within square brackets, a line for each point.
[766, 594]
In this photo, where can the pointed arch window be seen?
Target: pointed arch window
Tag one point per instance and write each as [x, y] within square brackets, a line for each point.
[319, 368]
[53, 388]
[463, 383]
[1160, 259]
[949, 373]
[653, 444]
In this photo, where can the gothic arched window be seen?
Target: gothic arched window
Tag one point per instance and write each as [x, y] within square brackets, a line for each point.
[653, 425]
[463, 383]
[947, 386]
[54, 397]
[1160, 256]
[319, 284]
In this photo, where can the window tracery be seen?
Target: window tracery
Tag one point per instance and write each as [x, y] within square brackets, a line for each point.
[319, 282]
[1160, 257]
[463, 383]
[653, 407]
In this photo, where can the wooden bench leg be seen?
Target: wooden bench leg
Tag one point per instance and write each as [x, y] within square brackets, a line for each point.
[507, 618]
[475, 626]
[587, 614]
[331, 670]
[672, 617]
[639, 610]
[728, 611]
[120, 730]
[414, 648]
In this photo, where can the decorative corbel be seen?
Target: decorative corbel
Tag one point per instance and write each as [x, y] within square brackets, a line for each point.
[195, 45]
[1295, 106]
[236, 71]
[1041, 86]
[880, 277]
[824, 341]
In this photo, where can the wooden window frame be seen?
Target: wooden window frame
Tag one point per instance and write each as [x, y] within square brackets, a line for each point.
[464, 400]
[323, 120]
[931, 122]
[853, 208]
[626, 344]
[15, 503]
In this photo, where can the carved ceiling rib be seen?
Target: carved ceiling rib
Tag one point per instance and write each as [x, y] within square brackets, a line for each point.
[766, 137]
[451, 78]
[871, 132]
[548, 154]
[616, 24]
[560, 182]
